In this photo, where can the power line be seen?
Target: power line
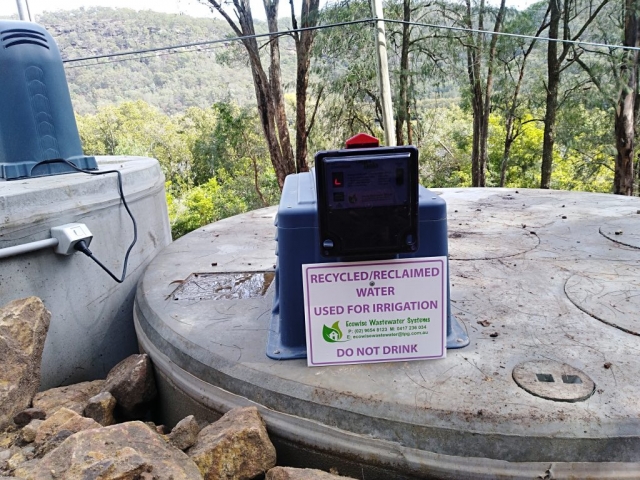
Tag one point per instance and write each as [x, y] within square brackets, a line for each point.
[514, 35]
[343, 24]
[220, 40]
[118, 60]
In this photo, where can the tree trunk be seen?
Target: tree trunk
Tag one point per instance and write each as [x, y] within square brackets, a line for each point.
[477, 177]
[474, 65]
[304, 42]
[402, 113]
[267, 118]
[481, 96]
[484, 155]
[624, 113]
[511, 113]
[269, 92]
[508, 141]
[409, 127]
[553, 82]
[554, 67]
[275, 80]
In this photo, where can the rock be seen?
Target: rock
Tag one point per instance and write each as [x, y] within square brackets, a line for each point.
[126, 463]
[8, 437]
[74, 397]
[235, 447]
[24, 417]
[28, 433]
[132, 384]
[5, 454]
[63, 419]
[26, 469]
[52, 442]
[23, 329]
[100, 407]
[29, 451]
[124, 451]
[288, 473]
[16, 460]
[185, 433]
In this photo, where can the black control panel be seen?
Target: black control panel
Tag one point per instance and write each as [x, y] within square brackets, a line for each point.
[367, 201]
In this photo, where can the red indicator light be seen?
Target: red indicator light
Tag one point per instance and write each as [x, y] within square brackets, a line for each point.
[337, 179]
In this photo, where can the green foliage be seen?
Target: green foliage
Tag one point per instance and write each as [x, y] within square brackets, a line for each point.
[344, 74]
[445, 158]
[202, 205]
[136, 128]
[215, 160]
[523, 168]
[586, 154]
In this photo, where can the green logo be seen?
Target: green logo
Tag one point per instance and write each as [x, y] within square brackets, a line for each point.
[332, 334]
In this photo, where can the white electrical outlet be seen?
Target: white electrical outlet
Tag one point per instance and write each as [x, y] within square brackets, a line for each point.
[68, 235]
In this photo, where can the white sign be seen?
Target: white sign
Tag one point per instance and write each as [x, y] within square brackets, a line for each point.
[378, 311]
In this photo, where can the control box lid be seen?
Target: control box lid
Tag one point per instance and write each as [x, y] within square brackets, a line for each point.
[367, 201]
[298, 204]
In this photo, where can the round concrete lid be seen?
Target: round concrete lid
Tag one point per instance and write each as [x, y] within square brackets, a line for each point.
[484, 244]
[625, 231]
[513, 305]
[613, 298]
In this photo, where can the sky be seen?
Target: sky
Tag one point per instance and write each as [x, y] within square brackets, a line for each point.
[187, 7]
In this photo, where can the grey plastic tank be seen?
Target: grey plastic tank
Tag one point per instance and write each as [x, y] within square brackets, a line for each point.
[37, 121]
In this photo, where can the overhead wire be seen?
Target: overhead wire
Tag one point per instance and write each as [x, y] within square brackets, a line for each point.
[141, 57]
[281, 33]
[212, 42]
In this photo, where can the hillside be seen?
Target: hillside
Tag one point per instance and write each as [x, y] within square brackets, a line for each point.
[169, 80]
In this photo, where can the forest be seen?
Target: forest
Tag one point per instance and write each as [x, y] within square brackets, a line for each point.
[515, 110]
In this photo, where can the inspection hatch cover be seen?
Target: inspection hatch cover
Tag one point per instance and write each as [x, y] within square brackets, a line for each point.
[611, 298]
[223, 286]
[554, 381]
[469, 244]
[625, 231]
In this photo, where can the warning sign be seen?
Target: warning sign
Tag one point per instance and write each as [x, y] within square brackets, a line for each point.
[378, 311]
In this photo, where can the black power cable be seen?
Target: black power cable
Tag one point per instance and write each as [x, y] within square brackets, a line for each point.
[81, 246]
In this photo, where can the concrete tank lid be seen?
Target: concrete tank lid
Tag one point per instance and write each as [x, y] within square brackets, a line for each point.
[512, 253]
[30, 200]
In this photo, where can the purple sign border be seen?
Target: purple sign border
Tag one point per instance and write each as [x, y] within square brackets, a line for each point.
[370, 264]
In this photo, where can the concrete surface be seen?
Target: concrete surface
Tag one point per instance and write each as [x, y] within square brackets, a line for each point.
[91, 315]
[518, 263]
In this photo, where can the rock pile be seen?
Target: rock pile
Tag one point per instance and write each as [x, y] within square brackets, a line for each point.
[72, 432]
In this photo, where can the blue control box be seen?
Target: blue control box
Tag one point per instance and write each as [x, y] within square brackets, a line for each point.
[298, 243]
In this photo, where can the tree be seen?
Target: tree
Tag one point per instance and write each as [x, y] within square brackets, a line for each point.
[348, 76]
[615, 74]
[480, 89]
[513, 57]
[565, 12]
[345, 76]
[230, 148]
[418, 58]
[625, 106]
[402, 105]
[304, 43]
[268, 88]
[136, 128]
